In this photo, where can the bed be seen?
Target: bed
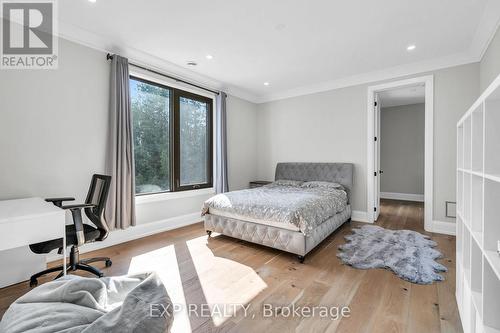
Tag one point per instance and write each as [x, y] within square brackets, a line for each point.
[293, 214]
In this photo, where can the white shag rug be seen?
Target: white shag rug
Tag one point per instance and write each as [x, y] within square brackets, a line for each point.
[409, 254]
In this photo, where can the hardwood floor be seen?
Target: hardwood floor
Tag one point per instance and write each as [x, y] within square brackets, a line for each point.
[221, 270]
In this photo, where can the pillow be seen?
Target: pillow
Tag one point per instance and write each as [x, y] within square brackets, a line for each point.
[313, 184]
[286, 182]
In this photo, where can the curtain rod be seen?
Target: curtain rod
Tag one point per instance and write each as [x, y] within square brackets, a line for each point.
[110, 56]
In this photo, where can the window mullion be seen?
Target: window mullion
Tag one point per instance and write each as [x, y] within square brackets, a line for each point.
[175, 142]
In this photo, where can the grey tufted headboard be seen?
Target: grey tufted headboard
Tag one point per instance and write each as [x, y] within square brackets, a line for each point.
[341, 173]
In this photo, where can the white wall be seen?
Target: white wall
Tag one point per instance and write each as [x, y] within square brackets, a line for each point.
[53, 129]
[402, 143]
[242, 142]
[490, 64]
[53, 125]
[323, 127]
[455, 89]
[331, 126]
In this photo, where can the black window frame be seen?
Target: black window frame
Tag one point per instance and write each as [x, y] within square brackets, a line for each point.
[174, 136]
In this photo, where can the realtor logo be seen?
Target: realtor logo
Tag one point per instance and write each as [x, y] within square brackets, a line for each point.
[28, 34]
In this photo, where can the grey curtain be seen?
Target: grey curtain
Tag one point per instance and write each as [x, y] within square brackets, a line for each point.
[221, 184]
[120, 209]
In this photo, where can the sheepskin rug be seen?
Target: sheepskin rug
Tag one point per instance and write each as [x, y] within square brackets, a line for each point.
[409, 254]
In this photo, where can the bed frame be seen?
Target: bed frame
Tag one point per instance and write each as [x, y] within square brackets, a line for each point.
[284, 239]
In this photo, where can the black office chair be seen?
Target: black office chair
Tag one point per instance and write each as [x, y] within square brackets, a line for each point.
[79, 233]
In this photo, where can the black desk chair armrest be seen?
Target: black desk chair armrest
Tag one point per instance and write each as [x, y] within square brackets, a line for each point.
[78, 206]
[76, 211]
[58, 201]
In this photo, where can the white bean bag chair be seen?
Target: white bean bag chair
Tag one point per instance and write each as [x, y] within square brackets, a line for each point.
[74, 304]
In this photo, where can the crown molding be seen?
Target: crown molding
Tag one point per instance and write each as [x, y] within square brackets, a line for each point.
[102, 43]
[241, 93]
[485, 32]
[376, 76]
[486, 29]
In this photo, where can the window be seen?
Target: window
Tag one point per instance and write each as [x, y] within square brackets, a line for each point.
[193, 138]
[151, 127]
[172, 138]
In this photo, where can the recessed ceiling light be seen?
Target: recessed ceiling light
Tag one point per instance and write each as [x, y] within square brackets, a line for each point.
[192, 63]
[209, 56]
[411, 47]
[266, 83]
[93, 1]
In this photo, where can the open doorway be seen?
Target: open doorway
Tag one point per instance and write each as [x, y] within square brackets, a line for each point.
[400, 140]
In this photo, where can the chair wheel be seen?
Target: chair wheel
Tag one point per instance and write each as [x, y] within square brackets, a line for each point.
[33, 283]
[108, 263]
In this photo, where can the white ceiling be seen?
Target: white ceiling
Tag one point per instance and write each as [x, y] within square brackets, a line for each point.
[297, 46]
[402, 96]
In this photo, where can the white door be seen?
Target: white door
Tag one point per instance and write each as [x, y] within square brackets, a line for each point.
[376, 154]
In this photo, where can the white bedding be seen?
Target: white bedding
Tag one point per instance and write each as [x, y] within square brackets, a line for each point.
[286, 226]
[291, 205]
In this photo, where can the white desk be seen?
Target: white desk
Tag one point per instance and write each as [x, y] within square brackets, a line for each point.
[28, 221]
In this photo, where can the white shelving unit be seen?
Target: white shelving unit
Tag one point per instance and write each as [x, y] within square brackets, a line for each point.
[478, 214]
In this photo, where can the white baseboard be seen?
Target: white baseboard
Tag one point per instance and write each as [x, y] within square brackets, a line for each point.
[441, 227]
[402, 196]
[359, 216]
[139, 231]
[143, 230]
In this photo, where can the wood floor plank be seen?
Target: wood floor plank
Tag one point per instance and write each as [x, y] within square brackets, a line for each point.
[366, 302]
[394, 308]
[450, 319]
[424, 309]
[221, 270]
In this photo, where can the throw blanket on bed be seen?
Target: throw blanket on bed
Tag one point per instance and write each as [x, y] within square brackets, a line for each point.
[303, 207]
[84, 305]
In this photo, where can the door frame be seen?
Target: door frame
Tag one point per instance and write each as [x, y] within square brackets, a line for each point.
[376, 150]
[428, 82]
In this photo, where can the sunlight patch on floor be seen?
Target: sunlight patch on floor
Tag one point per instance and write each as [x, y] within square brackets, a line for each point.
[192, 274]
[222, 280]
[164, 262]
